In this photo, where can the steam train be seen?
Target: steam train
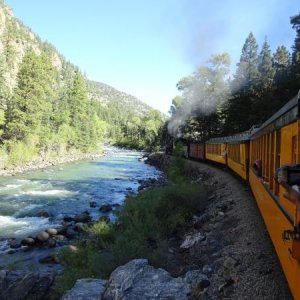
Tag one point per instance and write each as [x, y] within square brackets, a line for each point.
[255, 156]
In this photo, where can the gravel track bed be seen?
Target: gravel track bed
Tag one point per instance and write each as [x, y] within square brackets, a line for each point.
[245, 266]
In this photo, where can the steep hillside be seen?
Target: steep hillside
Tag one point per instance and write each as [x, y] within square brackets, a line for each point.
[105, 93]
[49, 108]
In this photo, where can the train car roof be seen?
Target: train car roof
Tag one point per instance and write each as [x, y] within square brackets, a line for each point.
[286, 115]
[236, 138]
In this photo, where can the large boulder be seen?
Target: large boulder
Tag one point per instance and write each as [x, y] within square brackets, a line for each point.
[91, 289]
[25, 285]
[138, 280]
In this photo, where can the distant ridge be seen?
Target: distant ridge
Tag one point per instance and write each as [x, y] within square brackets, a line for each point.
[105, 93]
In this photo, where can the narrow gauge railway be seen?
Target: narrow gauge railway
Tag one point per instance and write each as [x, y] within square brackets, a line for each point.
[257, 156]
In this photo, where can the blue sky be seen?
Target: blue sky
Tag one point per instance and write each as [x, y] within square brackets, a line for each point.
[143, 47]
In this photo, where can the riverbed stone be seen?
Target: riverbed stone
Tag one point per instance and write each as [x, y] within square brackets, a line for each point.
[28, 242]
[105, 208]
[43, 214]
[93, 204]
[197, 281]
[191, 239]
[52, 231]
[43, 236]
[71, 233]
[59, 237]
[79, 227]
[49, 259]
[68, 219]
[88, 288]
[138, 280]
[14, 244]
[82, 218]
[51, 242]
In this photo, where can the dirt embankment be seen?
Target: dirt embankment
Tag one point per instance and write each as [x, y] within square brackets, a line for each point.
[229, 242]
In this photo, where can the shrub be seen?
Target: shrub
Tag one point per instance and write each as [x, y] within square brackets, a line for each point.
[20, 153]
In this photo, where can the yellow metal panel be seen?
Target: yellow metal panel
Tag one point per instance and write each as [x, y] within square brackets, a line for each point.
[217, 158]
[287, 133]
[237, 168]
[276, 223]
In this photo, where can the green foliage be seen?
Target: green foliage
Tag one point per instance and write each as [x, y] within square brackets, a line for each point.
[44, 95]
[261, 85]
[101, 234]
[19, 153]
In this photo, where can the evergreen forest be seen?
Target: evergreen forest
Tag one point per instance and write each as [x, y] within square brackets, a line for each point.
[48, 108]
[214, 102]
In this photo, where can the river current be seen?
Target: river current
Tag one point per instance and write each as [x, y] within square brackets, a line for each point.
[67, 190]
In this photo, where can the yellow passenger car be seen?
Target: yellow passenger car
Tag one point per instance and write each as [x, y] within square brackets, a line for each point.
[238, 154]
[215, 150]
[275, 144]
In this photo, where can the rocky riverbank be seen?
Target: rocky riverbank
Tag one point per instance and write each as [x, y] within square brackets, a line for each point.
[223, 253]
[35, 260]
[41, 163]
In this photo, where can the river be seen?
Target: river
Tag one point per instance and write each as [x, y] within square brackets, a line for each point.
[67, 190]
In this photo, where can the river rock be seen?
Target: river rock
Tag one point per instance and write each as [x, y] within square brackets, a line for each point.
[93, 204]
[138, 280]
[82, 218]
[192, 239]
[59, 237]
[51, 243]
[49, 259]
[14, 244]
[79, 227]
[68, 219]
[43, 236]
[52, 231]
[197, 281]
[43, 214]
[28, 241]
[84, 289]
[71, 233]
[105, 208]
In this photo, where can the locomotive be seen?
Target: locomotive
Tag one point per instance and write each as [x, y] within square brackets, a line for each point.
[258, 156]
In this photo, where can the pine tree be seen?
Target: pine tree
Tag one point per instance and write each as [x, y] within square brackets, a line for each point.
[30, 106]
[295, 21]
[78, 105]
[247, 73]
[265, 67]
[281, 63]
